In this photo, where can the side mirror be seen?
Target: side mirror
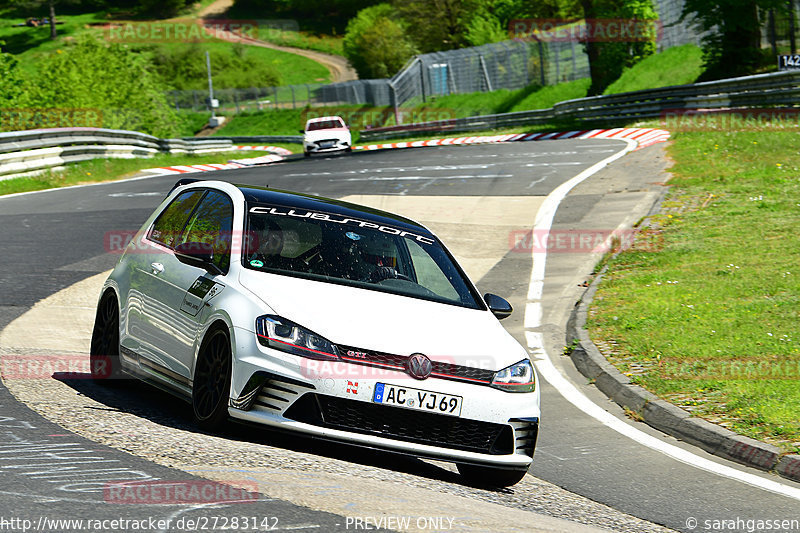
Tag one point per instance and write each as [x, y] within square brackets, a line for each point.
[498, 306]
[302, 131]
[197, 254]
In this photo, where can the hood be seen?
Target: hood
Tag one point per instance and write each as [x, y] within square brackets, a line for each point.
[388, 323]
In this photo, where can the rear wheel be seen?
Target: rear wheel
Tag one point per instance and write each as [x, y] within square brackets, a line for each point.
[104, 349]
[490, 476]
[212, 381]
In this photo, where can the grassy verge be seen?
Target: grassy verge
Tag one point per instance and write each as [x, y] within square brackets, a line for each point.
[675, 66]
[708, 318]
[99, 170]
[302, 39]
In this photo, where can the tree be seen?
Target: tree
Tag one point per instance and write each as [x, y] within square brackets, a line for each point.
[436, 25]
[608, 56]
[110, 80]
[375, 44]
[733, 44]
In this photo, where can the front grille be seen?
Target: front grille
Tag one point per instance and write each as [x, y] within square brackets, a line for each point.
[403, 424]
[468, 374]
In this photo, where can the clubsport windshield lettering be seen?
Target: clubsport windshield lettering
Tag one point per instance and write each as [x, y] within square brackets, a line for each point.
[354, 252]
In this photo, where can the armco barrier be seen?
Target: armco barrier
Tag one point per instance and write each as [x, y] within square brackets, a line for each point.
[33, 151]
[762, 90]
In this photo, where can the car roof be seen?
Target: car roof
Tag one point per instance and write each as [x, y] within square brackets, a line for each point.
[322, 119]
[307, 202]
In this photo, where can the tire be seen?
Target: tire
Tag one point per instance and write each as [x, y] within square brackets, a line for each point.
[306, 154]
[488, 476]
[212, 381]
[104, 350]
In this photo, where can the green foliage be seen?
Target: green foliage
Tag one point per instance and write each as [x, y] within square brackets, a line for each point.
[437, 25]
[162, 8]
[733, 46]
[484, 28]
[607, 59]
[10, 80]
[375, 44]
[123, 90]
[183, 67]
[327, 16]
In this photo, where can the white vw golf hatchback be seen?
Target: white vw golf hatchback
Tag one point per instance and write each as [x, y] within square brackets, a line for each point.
[321, 317]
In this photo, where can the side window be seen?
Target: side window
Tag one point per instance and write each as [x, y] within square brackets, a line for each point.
[212, 223]
[170, 222]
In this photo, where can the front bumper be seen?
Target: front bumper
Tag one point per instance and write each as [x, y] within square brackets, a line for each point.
[334, 401]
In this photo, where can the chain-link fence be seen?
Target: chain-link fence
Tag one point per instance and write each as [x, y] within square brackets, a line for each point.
[253, 99]
[509, 64]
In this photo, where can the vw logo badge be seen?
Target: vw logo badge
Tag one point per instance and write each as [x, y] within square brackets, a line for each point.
[419, 366]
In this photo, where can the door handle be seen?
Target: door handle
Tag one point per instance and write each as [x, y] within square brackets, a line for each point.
[158, 268]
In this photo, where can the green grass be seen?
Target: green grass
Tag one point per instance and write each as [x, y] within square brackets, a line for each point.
[30, 44]
[675, 66]
[715, 285]
[302, 39]
[100, 170]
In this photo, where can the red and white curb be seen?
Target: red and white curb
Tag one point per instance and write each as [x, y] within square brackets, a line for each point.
[231, 164]
[274, 149]
[642, 136]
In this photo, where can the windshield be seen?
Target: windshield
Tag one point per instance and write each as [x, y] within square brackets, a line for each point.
[350, 251]
[324, 125]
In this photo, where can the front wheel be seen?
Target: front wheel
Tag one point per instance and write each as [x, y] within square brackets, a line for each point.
[212, 381]
[104, 349]
[490, 476]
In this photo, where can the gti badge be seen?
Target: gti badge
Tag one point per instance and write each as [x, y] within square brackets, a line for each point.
[419, 366]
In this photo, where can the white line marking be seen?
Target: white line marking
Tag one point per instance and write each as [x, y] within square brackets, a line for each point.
[535, 342]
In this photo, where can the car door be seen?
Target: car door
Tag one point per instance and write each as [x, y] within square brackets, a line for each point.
[212, 224]
[173, 294]
[146, 320]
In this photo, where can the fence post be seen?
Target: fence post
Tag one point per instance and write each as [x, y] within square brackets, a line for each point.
[451, 81]
[541, 63]
[293, 100]
[393, 99]
[422, 78]
[275, 90]
[485, 74]
[792, 37]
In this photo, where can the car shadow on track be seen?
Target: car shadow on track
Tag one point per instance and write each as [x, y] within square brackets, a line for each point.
[145, 401]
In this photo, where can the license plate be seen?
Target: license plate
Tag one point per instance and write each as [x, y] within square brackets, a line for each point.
[326, 144]
[419, 400]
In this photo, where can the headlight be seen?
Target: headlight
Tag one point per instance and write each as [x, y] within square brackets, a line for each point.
[518, 377]
[281, 334]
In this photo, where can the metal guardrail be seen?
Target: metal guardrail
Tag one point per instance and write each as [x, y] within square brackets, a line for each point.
[762, 90]
[30, 152]
[256, 139]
